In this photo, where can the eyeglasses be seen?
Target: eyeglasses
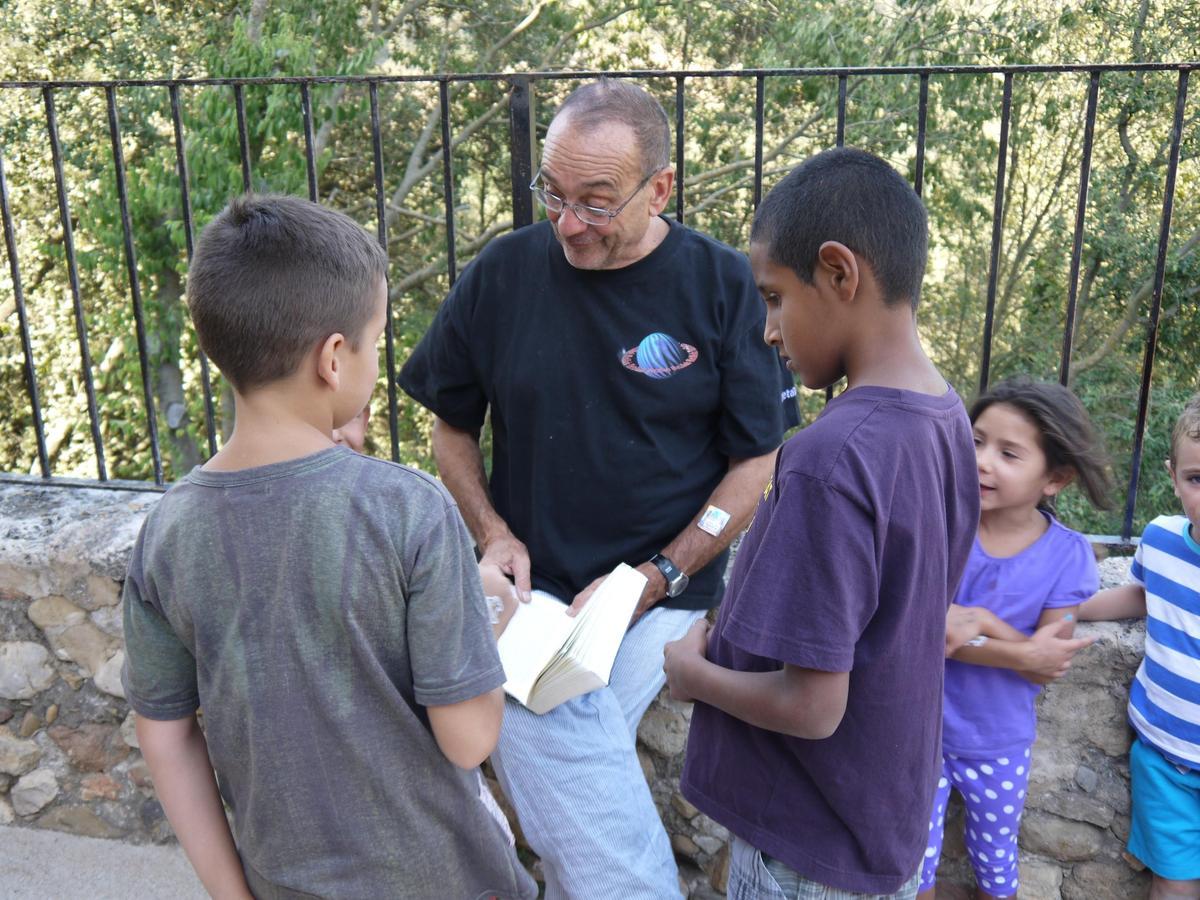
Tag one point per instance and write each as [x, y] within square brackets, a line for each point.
[588, 215]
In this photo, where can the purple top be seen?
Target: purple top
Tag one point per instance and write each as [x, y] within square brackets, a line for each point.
[988, 711]
[849, 566]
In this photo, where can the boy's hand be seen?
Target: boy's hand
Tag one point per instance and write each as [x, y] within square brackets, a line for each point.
[1049, 654]
[496, 584]
[678, 655]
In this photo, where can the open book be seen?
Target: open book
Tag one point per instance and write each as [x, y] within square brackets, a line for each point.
[550, 657]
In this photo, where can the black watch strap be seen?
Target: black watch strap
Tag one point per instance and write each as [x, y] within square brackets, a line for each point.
[677, 581]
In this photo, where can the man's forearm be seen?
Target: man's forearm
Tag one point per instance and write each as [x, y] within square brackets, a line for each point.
[737, 494]
[460, 465]
[183, 779]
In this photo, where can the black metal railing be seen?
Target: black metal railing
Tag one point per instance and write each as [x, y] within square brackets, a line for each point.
[521, 144]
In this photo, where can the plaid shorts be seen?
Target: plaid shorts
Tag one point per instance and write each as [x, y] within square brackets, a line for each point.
[755, 877]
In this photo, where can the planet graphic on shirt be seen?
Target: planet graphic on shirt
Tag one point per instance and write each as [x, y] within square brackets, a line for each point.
[659, 355]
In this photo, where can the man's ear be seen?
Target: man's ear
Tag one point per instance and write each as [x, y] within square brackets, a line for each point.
[838, 267]
[329, 364]
[660, 190]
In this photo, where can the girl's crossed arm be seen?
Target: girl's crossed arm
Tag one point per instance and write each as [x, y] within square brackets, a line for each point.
[1042, 657]
[804, 703]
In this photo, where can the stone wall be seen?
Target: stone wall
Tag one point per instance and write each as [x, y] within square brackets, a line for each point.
[69, 758]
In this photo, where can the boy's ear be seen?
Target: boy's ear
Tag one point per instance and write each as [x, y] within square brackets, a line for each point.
[839, 266]
[329, 365]
[1167, 466]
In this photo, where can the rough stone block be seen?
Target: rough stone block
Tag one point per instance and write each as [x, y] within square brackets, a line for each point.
[664, 728]
[6, 812]
[1040, 878]
[26, 669]
[108, 676]
[78, 820]
[129, 731]
[718, 870]
[17, 756]
[102, 591]
[684, 846]
[33, 792]
[83, 644]
[91, 747]
[683, 806]
[1057, 838]
[99, 786]
[54, 612]
[1105, 879]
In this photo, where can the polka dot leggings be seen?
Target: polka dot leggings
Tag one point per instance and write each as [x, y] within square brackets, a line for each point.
[993, 791]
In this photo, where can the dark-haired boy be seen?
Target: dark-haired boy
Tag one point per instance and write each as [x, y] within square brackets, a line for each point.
[324, 608]
[815, 736]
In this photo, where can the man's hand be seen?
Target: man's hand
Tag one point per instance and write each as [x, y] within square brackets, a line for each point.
[1049, 654]
[511, 557]
[678, 655]
[655, 590]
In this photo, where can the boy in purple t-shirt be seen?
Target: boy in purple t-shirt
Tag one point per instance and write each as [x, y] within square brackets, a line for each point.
[815, 737]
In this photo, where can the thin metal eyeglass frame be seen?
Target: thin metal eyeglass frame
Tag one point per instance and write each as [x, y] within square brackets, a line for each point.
[610, 214]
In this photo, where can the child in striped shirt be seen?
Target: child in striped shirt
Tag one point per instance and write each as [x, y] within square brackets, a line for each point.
[1164, 700]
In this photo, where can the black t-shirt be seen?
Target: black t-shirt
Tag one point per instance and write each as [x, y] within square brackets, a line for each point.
[617, 397]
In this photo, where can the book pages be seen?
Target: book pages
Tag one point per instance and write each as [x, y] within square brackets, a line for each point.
[550, 657]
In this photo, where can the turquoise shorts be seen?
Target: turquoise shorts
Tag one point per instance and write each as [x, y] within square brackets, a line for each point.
[1165, 831]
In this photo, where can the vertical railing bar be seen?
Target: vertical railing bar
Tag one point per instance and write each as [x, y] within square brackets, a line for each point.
[64, 211]
[520, 153]
[760, 100]
[679, 157]
[922, 120]
[382, 234]
[997, 229]
[1160, 268]
[239, 102]
[1085, 169]
[447, 177]
[181, 168]
[135, 288]
[310, 161]
[840, 140]
[10, 242]
[841, 111]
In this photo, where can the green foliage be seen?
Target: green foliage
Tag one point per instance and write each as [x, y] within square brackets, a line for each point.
[235, 38]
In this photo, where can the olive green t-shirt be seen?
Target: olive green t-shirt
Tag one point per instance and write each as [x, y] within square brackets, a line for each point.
[313, 608]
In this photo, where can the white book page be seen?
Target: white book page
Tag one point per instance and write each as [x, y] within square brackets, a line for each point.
[532, 638]
[606, 619]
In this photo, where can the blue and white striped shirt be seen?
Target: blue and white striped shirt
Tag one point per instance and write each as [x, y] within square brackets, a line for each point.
[1164, 700]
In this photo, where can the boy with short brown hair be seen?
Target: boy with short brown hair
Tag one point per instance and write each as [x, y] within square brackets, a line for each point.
[323, 607]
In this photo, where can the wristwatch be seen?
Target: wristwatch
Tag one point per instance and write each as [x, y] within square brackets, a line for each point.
[677, 582]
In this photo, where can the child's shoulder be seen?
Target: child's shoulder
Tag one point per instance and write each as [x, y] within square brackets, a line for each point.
[873, 427]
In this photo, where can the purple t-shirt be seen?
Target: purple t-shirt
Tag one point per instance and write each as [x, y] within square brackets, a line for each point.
[849, 566]
[988, 711]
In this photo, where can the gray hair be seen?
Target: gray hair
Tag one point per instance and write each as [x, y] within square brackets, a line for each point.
[614, 100]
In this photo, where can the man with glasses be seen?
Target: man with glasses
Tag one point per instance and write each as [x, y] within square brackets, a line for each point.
[635, 412]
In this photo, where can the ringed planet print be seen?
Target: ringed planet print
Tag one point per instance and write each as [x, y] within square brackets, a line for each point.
[659, 356]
